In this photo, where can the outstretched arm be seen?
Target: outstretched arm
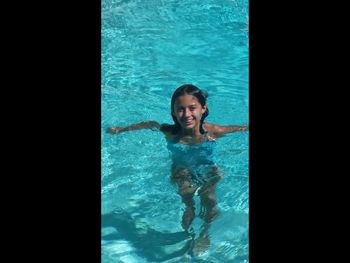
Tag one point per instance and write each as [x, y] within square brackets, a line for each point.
[218, 130]
[231, 128]
[137, 126]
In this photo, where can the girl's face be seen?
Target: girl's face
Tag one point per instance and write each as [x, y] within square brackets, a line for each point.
[188, 112]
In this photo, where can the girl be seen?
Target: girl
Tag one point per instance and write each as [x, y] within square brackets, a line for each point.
[191, 141]
[188, 110]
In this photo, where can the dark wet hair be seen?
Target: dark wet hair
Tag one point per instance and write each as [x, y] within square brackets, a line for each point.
[189, 89]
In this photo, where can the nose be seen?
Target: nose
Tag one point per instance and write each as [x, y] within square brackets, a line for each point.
[187, 113]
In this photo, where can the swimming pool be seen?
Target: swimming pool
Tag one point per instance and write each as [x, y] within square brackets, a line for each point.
[149, 48]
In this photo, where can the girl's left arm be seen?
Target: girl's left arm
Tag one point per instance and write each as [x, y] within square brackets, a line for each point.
[221, 130]
[231, 128]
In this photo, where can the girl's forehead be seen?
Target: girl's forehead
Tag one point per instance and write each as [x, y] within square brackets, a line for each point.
[186, 99]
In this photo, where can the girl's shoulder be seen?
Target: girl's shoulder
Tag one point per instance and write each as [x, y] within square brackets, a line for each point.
[213, 130]
[168, 129]
[210, 127]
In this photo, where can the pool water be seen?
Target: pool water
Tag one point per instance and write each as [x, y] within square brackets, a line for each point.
[149, 48]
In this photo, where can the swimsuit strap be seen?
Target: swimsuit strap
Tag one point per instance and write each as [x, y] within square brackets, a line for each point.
[206, 135]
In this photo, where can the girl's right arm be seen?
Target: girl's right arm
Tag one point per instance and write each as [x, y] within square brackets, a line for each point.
[137, 126]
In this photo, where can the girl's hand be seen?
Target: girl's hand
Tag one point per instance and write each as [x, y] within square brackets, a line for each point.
[114, 130]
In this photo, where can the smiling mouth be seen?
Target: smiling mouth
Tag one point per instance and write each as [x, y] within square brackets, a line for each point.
[188, 122]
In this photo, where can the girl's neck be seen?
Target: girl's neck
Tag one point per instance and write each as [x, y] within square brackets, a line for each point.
[191, 132]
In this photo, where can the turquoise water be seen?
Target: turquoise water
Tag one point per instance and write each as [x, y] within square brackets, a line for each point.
[149, 48]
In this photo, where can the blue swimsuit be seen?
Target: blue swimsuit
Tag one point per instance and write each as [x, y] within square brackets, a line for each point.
[198, 159]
